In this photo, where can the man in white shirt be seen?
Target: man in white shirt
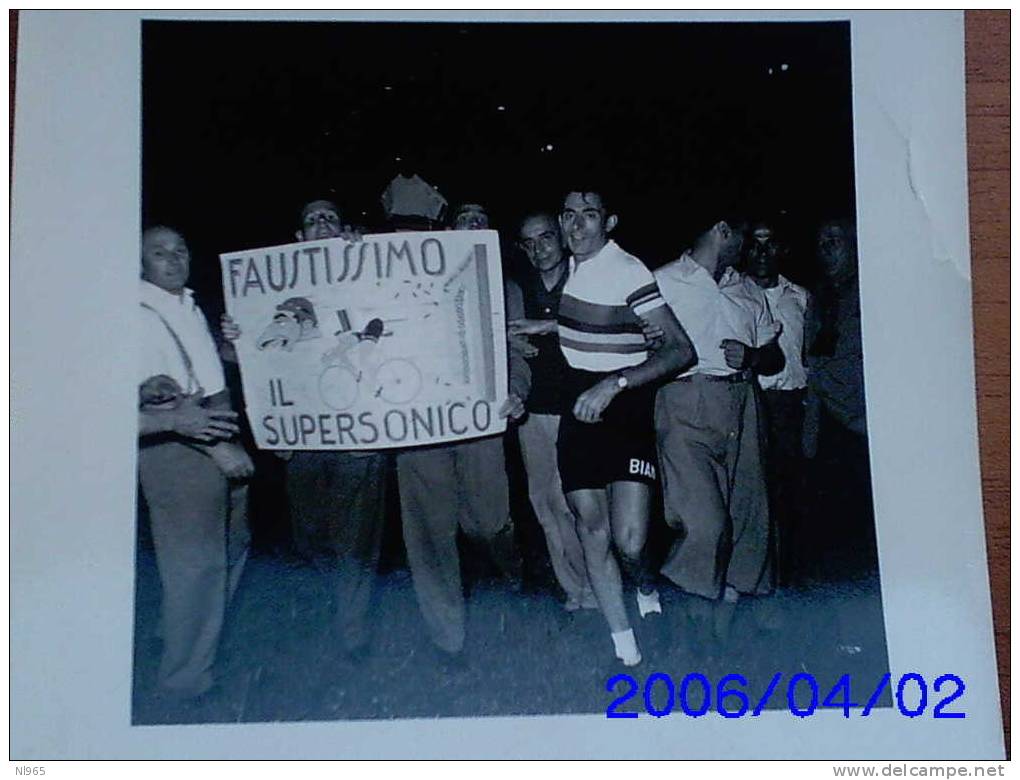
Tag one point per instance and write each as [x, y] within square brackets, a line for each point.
[191, 471]
[708, 428]
[783, 394]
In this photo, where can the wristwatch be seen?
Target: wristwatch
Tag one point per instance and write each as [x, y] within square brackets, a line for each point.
[621, 381]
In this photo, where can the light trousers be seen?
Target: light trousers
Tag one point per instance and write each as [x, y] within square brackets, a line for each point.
[443, 488]
[200, 532]
[713, 481]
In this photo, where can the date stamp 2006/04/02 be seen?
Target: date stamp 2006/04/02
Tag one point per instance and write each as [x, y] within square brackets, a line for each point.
[733, 697]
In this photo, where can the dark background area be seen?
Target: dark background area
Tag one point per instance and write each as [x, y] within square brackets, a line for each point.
[679, 123]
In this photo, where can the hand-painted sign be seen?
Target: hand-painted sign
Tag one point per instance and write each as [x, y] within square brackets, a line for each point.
[395, 340]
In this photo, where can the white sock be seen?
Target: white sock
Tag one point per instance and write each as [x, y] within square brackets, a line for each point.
[648, 602]
[731, 595]
[626, 647]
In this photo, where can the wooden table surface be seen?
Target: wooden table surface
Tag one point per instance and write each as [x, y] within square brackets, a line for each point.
[987, 49]
[987, 53]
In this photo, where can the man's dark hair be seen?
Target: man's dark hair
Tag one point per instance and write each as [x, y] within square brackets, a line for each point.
[589, 188]
[468, 205]
[765, 221]
[159, 227]
[549, 214]
[707, 218]
[465, 206]
[738, 222]
[774, 245]
[846, 224]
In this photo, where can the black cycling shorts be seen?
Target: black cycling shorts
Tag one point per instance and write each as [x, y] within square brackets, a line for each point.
[620, 448]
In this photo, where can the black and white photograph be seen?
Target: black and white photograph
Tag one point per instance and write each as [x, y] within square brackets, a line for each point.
[683, 484]
[518, 384]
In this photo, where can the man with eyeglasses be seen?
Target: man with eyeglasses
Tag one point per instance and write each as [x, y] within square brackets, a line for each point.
[470, 216]
[319, 219]
[541, 284]
[336, 497]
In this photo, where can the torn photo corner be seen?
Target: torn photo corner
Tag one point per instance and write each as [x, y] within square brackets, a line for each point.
[396, 570]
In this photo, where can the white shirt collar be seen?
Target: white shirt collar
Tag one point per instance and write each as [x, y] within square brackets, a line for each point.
[730, 276]
[783, 285]
[157, 296]
[686, 266]
[607, 245]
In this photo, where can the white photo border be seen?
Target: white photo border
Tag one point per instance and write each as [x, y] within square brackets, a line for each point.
[75, 220]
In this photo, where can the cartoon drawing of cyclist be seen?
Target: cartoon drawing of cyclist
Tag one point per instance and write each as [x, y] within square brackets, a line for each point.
[356, 364]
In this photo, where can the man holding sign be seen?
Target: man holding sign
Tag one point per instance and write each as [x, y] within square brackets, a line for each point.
[461, 484]
[391, 341]
[336, 497]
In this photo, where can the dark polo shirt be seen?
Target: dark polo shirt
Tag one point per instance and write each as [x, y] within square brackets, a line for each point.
[548, 367]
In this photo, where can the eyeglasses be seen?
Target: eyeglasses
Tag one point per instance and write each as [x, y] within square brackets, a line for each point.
[330, 217]
[531, 244]
[471, 219]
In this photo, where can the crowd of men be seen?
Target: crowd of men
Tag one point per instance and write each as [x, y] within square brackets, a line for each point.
[702, 388]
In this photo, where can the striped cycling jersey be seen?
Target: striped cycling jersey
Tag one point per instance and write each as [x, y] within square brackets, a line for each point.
[600, 310]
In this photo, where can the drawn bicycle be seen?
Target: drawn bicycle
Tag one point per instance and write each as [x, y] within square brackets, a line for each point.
[394, 381]
[354, 365]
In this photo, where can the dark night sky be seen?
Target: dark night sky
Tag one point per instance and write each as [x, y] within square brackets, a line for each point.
[244, 121]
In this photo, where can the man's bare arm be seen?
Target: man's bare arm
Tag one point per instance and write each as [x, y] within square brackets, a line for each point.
[526, 327]
[673, 355]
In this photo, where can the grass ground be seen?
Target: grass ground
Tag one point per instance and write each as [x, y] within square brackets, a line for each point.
[280, 661]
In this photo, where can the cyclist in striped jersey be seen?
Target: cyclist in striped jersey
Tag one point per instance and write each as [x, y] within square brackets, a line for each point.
[606, 444]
